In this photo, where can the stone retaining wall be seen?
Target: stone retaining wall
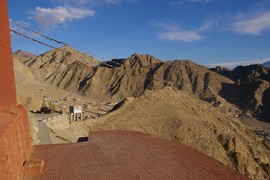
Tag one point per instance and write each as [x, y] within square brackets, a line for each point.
[60, 121]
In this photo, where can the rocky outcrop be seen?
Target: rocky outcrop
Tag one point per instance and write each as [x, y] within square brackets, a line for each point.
[250, 90]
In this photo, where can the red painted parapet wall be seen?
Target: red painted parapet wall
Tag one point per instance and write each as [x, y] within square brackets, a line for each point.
[7, 82]
[15, 143]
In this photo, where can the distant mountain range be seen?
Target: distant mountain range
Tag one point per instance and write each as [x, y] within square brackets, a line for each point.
[117, 79]
[266, 64]
[246, 86]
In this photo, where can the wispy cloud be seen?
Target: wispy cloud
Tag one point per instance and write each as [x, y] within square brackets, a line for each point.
[252, 24]
[232, 65]
[184, 36]
[172, 32]
[69, 10]
[118, 1]
[59, 15]
[93, 2]
[181, 2]
[199, 1]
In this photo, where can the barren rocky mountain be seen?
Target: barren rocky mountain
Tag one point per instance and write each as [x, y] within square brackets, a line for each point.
[70, 70]
[23, 74]
[176, 115]
[23, 55]
[251, 90]
[66, 68]
[49, 65]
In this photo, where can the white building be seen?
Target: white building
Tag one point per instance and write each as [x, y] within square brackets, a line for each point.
[76, 113]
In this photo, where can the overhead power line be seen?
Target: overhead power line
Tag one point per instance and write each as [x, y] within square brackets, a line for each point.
[61, 42]
[101, 63]
[53, 47]
[32, 39]
[57, 41]
[42, 35]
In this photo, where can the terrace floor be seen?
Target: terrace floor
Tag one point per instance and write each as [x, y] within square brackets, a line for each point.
[127, 155]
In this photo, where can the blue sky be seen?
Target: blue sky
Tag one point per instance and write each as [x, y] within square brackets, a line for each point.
[205, 31]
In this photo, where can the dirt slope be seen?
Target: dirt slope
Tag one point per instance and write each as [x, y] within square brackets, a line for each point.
[176, 115]
[24, 81]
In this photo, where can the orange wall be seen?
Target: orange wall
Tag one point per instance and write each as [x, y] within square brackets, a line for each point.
[7, 83]
[15, 143]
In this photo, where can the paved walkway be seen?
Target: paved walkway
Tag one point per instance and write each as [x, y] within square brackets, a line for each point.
[43, 130]
[127, 155]
[44, 133]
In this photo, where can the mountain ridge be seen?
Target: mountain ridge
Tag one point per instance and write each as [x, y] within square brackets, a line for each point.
[130, 77]
[245, 86]
[251, 90]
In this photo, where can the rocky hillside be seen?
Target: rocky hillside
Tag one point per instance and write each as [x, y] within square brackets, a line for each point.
[175, 115]
[54, 63]
[251, 90]
[23, 75]
[70, 70]
[245, 86]
[23, 55]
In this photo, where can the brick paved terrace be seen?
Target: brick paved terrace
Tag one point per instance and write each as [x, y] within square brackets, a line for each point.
[127, 155]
